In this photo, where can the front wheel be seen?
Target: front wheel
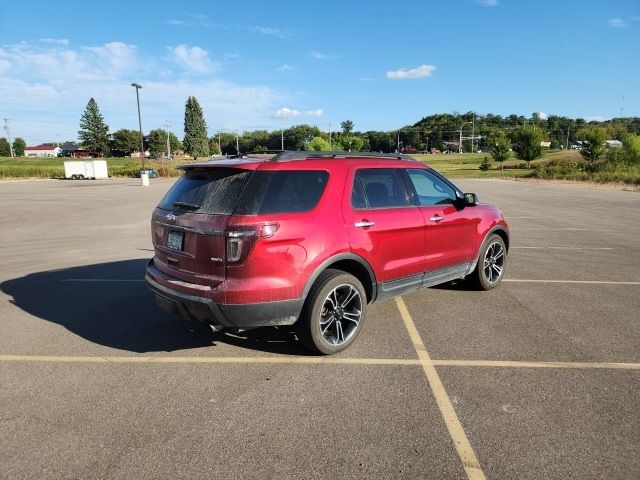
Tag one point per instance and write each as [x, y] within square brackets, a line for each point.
[333, 313]
[491, 264]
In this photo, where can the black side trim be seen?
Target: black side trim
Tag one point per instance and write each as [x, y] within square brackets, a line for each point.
[251, 315]
[442, 275]
[394, 288]
[336, 258]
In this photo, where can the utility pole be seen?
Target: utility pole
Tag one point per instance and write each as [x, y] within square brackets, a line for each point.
[237, 143]
[568, 130]
[137, 86]
[6, 127]
[460, 144]
[219, 142]
[282, 138]
[166, 123]
[473, 130]
[398, 143]
[329, 136]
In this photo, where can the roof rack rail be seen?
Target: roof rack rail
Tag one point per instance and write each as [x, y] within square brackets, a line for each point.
[287, 155]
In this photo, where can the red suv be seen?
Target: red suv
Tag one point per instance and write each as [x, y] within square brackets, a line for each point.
[313, 238]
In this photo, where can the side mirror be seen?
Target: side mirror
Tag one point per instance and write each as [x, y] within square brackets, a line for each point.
[470, 199]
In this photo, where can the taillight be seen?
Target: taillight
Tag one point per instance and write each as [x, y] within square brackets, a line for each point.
[241, 240]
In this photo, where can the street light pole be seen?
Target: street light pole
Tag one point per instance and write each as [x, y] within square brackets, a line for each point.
[460, 144]
[138, 87]
[329, 136]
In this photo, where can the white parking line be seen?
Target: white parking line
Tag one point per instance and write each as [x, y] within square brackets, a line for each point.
[557, 248]
[546, 229]
[582, 282]
[459, 437]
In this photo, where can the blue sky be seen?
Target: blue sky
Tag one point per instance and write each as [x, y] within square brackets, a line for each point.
[267, 64]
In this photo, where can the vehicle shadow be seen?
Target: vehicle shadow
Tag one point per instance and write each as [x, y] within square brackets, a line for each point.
[109, 304]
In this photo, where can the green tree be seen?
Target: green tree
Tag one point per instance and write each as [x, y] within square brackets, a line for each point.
[5, 151]
[157, 142]
[214, 146]
[296, 138]
[631, 149]
[196, 142]
[526, 143]
[500, 147]
[318, 144]
[592, 142]
[94, 132]
[18, 147]
[349, 143]
[347, 126]
[125, 141]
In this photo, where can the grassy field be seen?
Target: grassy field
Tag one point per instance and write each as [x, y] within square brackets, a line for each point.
[54, 167]
[553, 165]
[467, 165]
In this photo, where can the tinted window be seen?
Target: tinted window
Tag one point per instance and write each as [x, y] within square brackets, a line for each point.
[382, 187]
[357, 195]
[212, 190]
[286, 191]
[431, 189]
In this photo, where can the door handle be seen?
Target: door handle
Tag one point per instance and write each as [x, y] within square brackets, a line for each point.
[364, 224]
[436, 218]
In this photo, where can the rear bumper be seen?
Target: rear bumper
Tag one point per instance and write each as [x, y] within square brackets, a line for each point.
[198, 308]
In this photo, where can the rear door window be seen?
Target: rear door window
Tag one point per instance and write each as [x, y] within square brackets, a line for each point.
[210, 190]
[383, 188]
[284, 191]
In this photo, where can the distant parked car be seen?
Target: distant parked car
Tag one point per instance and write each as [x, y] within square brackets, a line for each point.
[313, 237]
[153, 173]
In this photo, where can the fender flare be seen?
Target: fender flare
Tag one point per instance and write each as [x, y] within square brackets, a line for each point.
[491, 231]
[336, 258]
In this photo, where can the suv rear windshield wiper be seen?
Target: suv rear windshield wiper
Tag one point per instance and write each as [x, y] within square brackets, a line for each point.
[186, 206]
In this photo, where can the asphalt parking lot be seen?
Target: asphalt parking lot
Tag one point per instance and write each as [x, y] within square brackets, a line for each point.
[539, 378]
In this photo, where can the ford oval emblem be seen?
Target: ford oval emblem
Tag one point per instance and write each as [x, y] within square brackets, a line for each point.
[171, 217]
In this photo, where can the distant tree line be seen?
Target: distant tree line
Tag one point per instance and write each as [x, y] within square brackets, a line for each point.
[495, 134]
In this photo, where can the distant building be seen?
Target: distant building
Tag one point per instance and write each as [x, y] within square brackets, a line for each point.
[42, 151]
[613, 143]
[545, 144]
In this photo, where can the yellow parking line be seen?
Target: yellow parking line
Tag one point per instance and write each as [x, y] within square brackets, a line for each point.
[460, 440]
[211, 360]
[529, 364]
[313, 361]
[583, 282]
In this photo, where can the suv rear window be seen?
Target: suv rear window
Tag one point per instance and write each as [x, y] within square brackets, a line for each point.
[284, 191]
[212, 191]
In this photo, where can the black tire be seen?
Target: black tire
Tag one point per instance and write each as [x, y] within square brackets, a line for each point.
[315, 311]
[480, 278]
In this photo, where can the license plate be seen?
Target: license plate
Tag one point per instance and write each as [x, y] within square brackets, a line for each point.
[174, 240]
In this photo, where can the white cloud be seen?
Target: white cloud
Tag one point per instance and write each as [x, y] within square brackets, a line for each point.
[286, 68]
[596, 118]
[322, 56]
[192, 59]
[418, 72]
[276, 32]
[45, 88]
[618, 23]
[292, 113]
[541, 115]
[4, 65]
[488, 3]
[55, 41]
[118, 55]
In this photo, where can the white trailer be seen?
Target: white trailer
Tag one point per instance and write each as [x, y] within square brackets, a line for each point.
[78, 170]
